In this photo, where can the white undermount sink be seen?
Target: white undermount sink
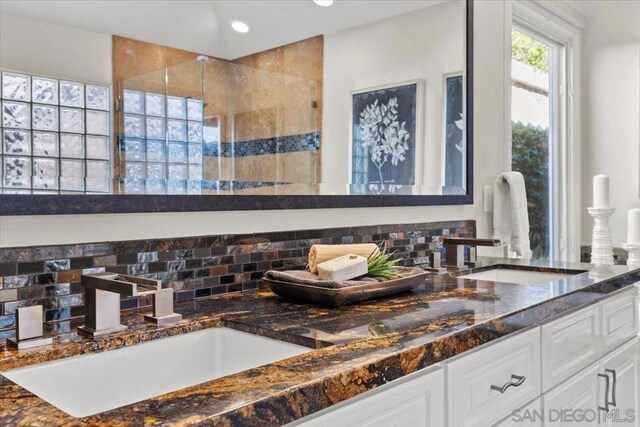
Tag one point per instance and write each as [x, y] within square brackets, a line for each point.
[520, 277]
[90, 384]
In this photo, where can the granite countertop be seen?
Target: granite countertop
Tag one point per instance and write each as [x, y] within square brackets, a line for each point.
[357, 347]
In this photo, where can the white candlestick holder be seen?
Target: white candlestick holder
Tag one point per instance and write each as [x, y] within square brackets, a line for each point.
[601, 248]
[634, 254]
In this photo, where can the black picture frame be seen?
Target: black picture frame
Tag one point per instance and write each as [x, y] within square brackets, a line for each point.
[454, 159]
[18, 204]
[405, 99]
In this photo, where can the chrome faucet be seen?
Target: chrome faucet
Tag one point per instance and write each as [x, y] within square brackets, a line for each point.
[454, 246]
[102, 301]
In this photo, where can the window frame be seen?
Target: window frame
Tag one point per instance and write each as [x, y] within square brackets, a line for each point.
[562, 28]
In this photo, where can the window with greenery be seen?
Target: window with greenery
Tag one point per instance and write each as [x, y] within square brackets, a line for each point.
[530, 51]
[530, 157]
[530, 139]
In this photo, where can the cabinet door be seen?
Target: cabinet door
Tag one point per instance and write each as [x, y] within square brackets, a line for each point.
[577, 397]
[622, 365]
[570, 344]
[415, 402]
[619, 319]
[530, 415]
[485, 386]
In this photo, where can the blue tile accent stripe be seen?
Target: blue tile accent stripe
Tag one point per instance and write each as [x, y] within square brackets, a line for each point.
[258, 147]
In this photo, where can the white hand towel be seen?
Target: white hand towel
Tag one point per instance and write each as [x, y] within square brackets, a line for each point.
[510, 213]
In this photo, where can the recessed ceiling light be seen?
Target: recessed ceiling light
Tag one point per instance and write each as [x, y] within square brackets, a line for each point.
[240, 26]
[323, 3]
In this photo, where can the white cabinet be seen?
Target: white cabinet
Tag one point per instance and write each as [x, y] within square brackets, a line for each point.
[578, 395]
[570, 344]
[530, 415]
[557, 374]
[577, 340]
[619, 319]
[485, 386]
[637, 285]
[414, 401]
[606, 393]
[621, 367]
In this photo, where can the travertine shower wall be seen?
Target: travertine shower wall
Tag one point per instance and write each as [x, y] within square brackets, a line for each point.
[134, 57]
[268, 104]
[287, 96]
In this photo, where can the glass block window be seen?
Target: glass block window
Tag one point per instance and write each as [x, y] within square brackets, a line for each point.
[161, 144]
[55, 135]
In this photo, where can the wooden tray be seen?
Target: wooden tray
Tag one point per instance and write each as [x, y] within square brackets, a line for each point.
[333, 297]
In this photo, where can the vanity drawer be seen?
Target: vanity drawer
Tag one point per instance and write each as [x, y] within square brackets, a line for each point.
[579, 393]
[415, 400]
[530, 415]
[473, 401]
[619, 319]
[570, 344]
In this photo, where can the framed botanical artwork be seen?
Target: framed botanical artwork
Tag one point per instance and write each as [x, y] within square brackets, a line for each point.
[386, 139]
[454, 151]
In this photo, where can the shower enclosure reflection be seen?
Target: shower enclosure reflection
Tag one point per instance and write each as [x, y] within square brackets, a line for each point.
[210, 126]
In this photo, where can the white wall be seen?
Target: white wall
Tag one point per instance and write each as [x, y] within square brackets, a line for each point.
[425, 44]
[48, 49]
[489, 148]
[612, 110]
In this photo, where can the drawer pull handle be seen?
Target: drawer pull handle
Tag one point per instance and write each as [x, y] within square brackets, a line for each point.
[605, 408]
[517, 383]
[613, 388]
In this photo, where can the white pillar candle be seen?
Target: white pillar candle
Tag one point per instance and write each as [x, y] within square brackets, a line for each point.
[633, 226]
[601, 191]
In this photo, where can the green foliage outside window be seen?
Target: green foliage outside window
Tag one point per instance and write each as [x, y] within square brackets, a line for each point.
[530, 51]
[530, 156]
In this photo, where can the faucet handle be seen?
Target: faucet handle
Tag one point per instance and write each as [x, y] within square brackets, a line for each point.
[435, 260]
[163, 308]
[29, 328]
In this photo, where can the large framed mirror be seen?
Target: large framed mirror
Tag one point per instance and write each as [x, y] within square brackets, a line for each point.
[244, 105]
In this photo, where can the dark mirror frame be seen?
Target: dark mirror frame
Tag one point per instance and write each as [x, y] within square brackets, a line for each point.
[100, 204]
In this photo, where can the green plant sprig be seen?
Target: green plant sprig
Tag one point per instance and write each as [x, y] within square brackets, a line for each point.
[380, 264]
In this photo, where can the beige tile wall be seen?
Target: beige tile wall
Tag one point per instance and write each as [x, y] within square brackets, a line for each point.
[273, 93]
[278, 92]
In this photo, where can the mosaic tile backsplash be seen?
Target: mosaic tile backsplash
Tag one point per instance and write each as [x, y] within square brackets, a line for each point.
[195, 267]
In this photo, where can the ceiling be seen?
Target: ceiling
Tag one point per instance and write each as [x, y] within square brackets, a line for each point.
[203, 26]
